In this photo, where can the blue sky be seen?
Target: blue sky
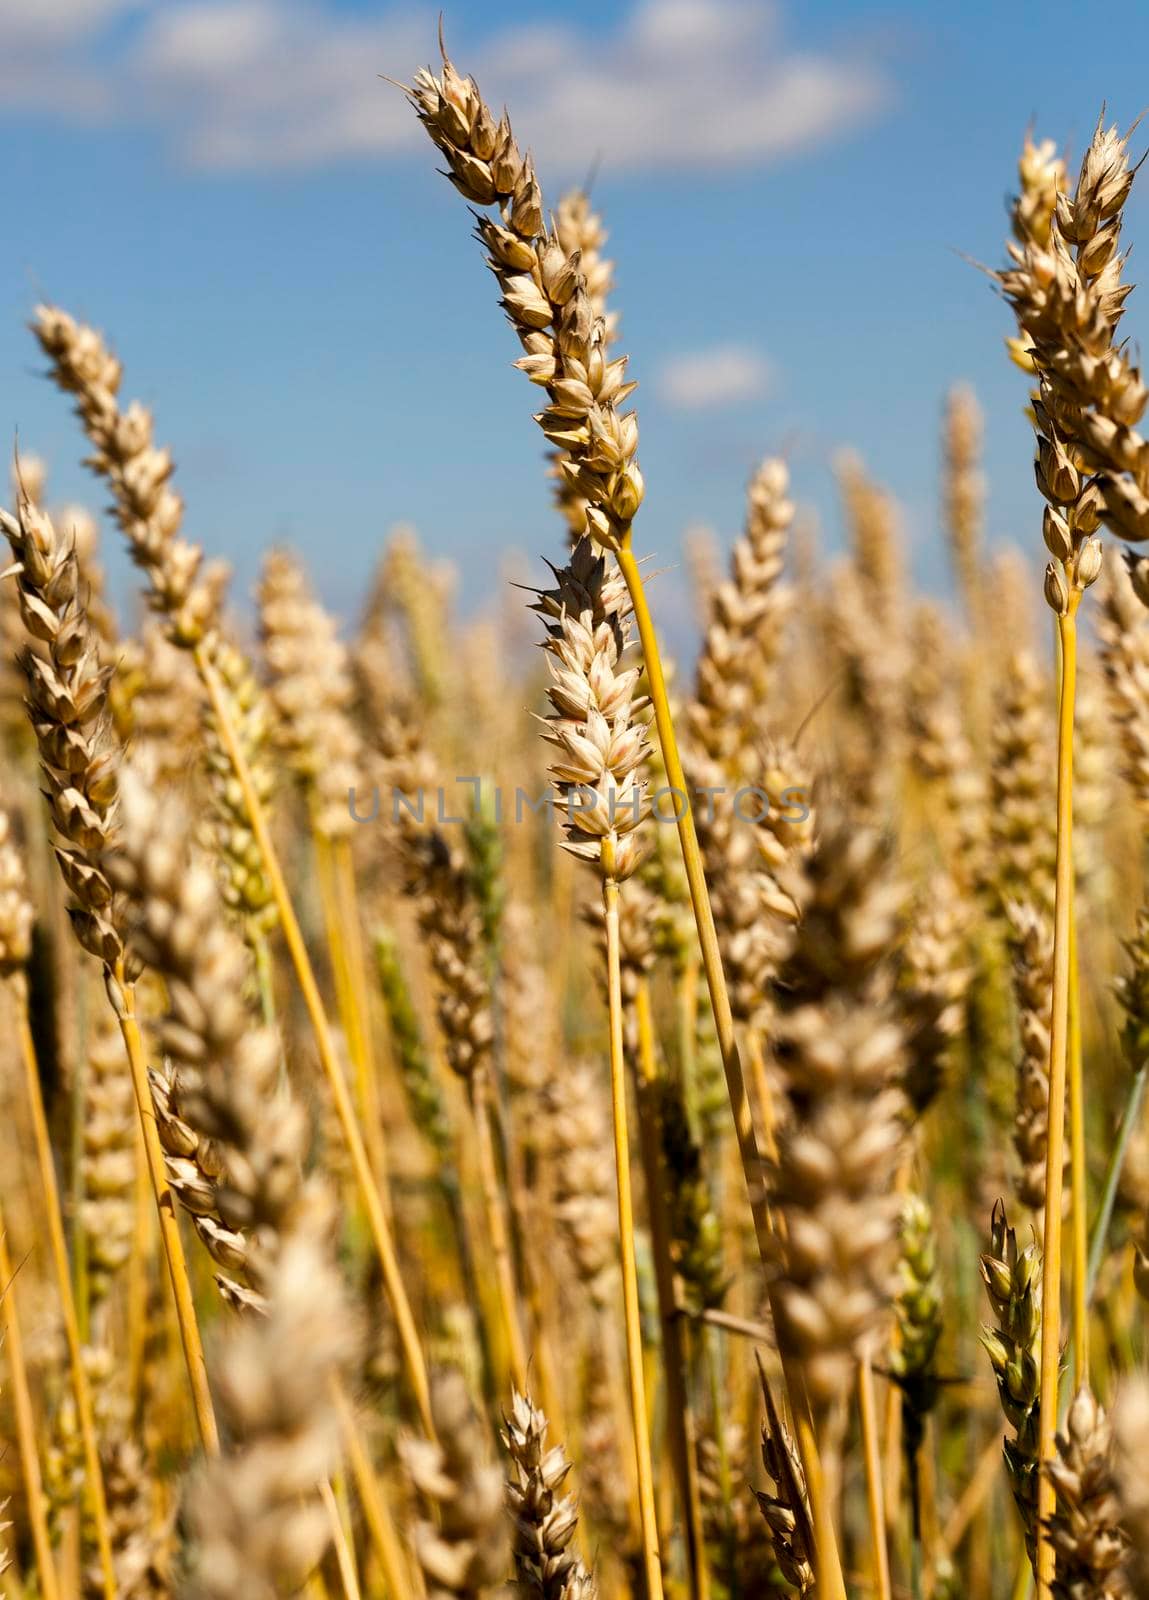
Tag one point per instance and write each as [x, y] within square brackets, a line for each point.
[229, 191]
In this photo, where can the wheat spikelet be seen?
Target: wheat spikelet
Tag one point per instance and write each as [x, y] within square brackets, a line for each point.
[740, 1540]
[1032, 941]
[787, 1509]
[940, 749]
[744, 859]
[141, 1532]
[871, 740]
[1088, 1544]
[579, 229]
[747, 614]
[1013, 1283]
[462, 1548]
[156, 700]
[1022, 792]
[311, 691]
[918, 1307]
[1131, 1464]
[1042, 177]
[224, 1071]
[1123, 644]
[1067, 295]
[67, 700]
[1132, 989]
[875, 538]
[964, 494]
[16, 915]
[935, 985]
[578, 1133]
[229, 834]
[546, 298]
[439, 881]
[543, 1518]
[595, 723]
[255, 1518]
[109, 1158]
[124, 451]
[840, 1049]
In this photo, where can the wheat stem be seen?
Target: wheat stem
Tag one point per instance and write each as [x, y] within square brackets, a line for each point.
[59, 1252]
[376, 1512]
[651, 1561]
[124, 1005]
[301, 962]
[679, 1412]
[25, 1425]
[829, 1564]
[1077, 1168]
[757, 1058]
[136, 1294]
[1055, 1154]
[478, 1096]
[343, 1556]
[347, 896]
[872, 1454]
[349, 995]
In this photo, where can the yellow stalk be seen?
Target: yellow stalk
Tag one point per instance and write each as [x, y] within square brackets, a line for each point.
[985, 1475]
[478, 1097]
[872, 1453]
[301, 962]
[350, 993]
[25, 1426]
[359, 990]
[376, 1513]
[1055, 1150]
[59, 1252]
[651, 1561]
[343, 1555]
[1080, 1197]
[137, 1276]
[761, 1084]
[679, 1412]
[829, 1564]
[123, 1000]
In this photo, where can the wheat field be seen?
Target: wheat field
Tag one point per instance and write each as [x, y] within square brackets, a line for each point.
[488, 1108]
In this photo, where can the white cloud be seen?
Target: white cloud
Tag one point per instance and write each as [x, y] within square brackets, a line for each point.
[677, 84]
[43, 22]
[704, 380]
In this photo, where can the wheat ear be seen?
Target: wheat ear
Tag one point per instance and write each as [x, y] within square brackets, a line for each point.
[1068, 298]
[544, 1519]
[68, 707]
[546, 298]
